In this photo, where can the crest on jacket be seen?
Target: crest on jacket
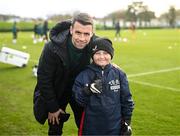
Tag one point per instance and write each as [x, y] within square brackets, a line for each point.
[114, 85]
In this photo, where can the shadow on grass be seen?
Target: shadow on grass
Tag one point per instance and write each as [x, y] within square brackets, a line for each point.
[9, 68]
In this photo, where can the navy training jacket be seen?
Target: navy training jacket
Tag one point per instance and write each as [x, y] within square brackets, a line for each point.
[103, 112]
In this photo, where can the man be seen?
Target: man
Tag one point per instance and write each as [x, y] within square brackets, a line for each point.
[45, 31]
[117, 34]
[62, 59]
[14, 32]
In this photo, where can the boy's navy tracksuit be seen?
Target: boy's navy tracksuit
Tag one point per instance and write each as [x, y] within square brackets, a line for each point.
[103, 112]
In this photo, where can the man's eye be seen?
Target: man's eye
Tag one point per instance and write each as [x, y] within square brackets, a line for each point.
[87, 34]
[78, 33]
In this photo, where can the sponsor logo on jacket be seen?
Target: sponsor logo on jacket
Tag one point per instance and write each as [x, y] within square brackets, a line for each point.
[114, 85]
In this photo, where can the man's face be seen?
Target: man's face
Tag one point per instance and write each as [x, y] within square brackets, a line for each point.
[81, 34]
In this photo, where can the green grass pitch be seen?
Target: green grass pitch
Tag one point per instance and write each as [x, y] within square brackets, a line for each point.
[151, 60]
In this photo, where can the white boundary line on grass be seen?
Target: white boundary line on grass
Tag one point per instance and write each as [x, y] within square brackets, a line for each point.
[154, 85]
[153, 72]
[146, 73]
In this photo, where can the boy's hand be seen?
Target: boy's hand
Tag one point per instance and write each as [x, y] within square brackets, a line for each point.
[96, 86]
[125, 130]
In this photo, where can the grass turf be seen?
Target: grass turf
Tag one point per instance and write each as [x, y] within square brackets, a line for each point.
[157, 108]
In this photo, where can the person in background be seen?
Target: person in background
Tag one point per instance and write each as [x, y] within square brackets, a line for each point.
[117, 34]
[103, 91]
[35, 33]
[14, 32]
[133, 30]
[62, 59]
[45, 31]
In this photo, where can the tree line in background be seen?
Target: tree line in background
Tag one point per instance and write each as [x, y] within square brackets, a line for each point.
[136, 12]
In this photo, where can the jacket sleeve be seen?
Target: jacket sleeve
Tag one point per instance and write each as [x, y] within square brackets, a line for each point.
[46, 71]
[59, 31]
[79, 93]
[127, 104]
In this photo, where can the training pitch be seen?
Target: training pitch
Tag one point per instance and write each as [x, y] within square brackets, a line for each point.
[151, 59]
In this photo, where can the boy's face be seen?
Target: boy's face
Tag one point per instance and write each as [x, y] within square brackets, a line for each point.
[102, 58]
[81, 34]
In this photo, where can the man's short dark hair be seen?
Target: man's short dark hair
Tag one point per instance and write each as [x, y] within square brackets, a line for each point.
[83, 18]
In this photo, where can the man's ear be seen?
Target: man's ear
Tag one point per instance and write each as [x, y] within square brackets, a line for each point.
[92, 34]
[71, 30]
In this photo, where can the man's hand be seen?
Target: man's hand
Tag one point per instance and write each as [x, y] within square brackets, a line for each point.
[63, 117]
[116, 66]
[53, 117]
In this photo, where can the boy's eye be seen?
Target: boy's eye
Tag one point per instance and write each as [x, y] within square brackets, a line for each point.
[101, 53]
[98, 53]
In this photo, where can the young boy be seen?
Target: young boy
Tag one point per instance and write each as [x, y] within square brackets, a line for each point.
[104, 93]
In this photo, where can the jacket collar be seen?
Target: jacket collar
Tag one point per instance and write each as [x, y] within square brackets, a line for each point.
[97, 68]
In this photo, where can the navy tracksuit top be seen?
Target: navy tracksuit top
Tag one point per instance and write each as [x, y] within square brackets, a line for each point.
[103, 112]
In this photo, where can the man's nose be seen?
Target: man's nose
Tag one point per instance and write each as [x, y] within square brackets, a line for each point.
[81, 36]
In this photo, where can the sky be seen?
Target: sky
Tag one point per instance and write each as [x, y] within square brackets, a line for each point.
[97, 8]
